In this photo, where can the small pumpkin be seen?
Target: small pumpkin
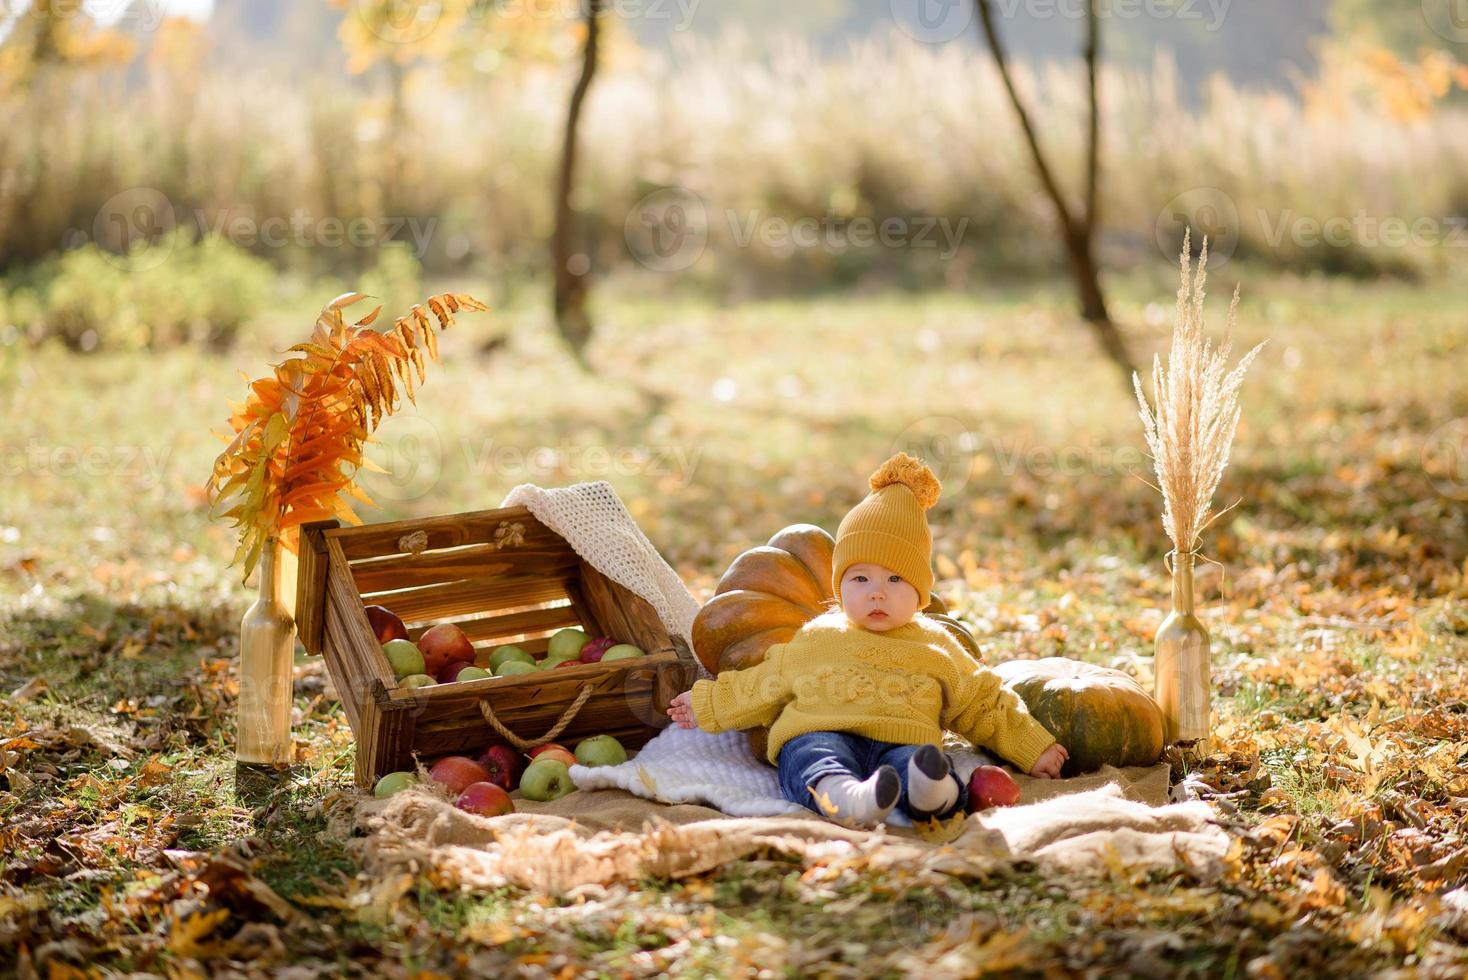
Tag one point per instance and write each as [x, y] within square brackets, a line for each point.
[1102, 716]
[767, 594]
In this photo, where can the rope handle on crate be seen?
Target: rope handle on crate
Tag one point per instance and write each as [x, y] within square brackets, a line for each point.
[569, 715]
[524, 744]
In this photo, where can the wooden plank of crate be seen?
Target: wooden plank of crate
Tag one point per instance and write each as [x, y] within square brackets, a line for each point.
[589, 620]
[311, 585]
[511, 624]
[629, 617]
[448, 531]
[470, 595]
[474, 561]
[347, 678]
[366, 660]
[467, 739]
[605, 708]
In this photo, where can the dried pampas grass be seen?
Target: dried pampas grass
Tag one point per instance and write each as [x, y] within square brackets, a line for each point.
[1191, 430]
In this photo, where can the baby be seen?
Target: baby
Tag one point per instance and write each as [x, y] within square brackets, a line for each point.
[858, 699]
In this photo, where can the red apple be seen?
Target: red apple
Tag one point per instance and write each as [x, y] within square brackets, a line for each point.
[445, 644]
[591, 653]
[553, 750]
[503, 764]
[458, 771]
[485, 799]
[991, 786]
[386, 624]
[451, 671]
[569, 663]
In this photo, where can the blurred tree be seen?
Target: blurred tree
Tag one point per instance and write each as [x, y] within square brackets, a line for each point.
[474, 36]
[571, 268]
[54, 33]
[1077, 228]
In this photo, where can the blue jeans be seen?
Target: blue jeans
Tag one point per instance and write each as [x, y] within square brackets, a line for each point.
[806, 759]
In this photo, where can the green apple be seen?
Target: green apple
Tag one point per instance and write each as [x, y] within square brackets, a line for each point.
[600, 750]
[566, 644]
[510, 668]
[508, 652]
[622, 651]
[473, 674]
[404, 657]
[394, 782]
[546, 779]
[551, 659]
[418, 680]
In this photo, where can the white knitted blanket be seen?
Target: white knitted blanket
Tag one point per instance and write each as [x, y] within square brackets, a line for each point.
[689, 765]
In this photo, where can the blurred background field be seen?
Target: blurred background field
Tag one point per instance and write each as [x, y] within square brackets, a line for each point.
[180, 195]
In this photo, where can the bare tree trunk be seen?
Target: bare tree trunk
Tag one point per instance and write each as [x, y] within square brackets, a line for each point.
[1078, 233]
[572, 320]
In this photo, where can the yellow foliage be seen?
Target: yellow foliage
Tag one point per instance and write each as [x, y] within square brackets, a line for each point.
[298, 436]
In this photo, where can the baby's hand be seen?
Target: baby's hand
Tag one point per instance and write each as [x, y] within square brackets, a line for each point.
[1050, 761]
[681, 710]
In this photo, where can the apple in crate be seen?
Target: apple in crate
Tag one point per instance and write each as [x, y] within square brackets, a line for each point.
[451, 672]
[593, 651]
[622, 651]
[501, 655]
[419, 680]
[503, 764]
[991, 786]
[566, 643]
[546, 779]
[600, 750]
[394, 782]
[485, 799]
[553, 750]
[458, 771]
[404, 657]
[511, 668]
[385, 624]
[445, 644]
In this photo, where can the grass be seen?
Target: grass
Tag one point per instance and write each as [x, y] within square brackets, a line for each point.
[1345, 573]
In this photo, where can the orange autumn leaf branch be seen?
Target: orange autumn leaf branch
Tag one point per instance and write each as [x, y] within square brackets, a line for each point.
[297, 442]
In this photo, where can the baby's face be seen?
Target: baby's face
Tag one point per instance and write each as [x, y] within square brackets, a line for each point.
[877, 598]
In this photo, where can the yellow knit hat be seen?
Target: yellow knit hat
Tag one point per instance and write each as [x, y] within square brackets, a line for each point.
[890, 526]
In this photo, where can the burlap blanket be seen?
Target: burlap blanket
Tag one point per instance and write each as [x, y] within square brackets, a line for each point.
[1108, 821]
[1103, 823]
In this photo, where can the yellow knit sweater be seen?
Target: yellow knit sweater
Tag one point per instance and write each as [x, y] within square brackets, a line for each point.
[904, 685]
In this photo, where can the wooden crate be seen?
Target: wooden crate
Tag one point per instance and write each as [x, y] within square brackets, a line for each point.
[503, 577]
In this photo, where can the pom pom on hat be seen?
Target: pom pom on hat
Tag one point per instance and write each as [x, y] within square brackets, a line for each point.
[912, 473]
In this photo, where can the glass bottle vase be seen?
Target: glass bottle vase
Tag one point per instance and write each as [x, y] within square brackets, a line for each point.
[267, 650]
[1181, 664]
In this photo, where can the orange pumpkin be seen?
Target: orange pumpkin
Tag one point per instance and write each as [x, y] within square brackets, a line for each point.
[768, 593]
